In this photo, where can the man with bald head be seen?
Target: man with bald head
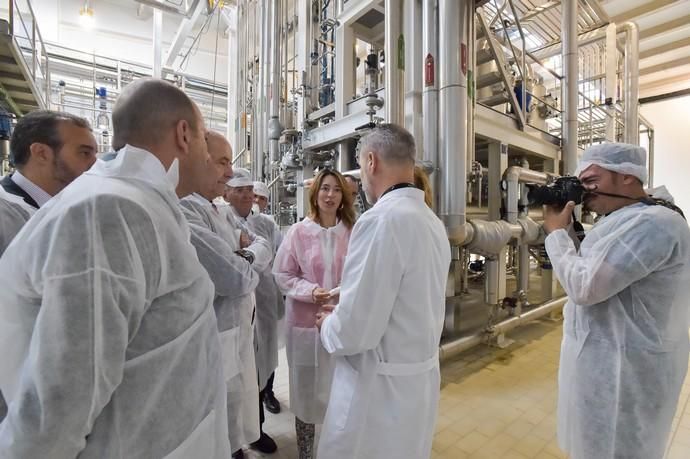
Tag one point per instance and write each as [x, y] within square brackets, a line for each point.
[106, 318]
[233, 257]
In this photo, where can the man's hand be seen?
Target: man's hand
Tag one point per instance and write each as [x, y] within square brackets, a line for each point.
[326, 310]
[320, 295]
[556, 218]
[244, 240]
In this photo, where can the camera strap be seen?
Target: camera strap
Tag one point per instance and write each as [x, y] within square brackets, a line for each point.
[649, 200]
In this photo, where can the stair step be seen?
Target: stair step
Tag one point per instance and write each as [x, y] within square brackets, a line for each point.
[489, 79]
[496, 99]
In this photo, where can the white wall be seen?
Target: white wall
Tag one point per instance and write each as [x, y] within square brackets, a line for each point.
[120, 34]
[671, 121]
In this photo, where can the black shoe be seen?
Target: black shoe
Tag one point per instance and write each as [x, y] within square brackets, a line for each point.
[265, 444]
[271, 403]
[239, 454]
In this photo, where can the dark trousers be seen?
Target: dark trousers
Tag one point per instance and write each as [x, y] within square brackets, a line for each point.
[262, 394]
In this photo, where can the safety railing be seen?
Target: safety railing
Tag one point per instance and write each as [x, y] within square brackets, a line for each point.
[26, 34]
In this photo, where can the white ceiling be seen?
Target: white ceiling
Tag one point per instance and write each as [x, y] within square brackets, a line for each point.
[664, 41]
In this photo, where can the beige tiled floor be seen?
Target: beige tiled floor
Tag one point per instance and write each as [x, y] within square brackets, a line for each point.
[495, 403]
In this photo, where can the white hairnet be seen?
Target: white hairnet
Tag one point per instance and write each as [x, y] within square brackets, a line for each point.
[240, 177]
[261, 189]
[622, 158]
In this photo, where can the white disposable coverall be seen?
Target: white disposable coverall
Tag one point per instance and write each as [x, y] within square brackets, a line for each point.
[235, 324]
[110, 343]
[269, 301]
[385, 333]
[625, 336]
[14, 213]
[310, 256]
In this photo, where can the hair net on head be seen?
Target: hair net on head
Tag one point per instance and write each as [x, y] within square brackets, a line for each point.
[240, 177]
[622, 158]
[261, 189]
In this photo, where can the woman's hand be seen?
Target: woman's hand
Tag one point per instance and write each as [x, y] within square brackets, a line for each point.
[320, 295]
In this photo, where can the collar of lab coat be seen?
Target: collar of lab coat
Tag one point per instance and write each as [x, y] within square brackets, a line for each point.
[196, 197]
[414, 193]
[138, 164]
[315, 228]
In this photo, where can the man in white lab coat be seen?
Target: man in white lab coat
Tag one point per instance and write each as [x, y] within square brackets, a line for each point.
[240, 193]
[49, 150]
[235, 309]
[625, 345]
[386, 329]
[107, 327]
[271, 327]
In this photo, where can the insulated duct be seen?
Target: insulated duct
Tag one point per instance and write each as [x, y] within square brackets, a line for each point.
[454, 348]
[393, 104]
[454, 19]
[274, 127]
[570, 80]
[631, 84]
[430, 92]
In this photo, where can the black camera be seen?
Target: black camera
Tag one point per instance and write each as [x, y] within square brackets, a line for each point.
[558, 193]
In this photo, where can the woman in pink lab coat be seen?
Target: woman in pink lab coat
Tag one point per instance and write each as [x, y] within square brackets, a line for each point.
[308, 265]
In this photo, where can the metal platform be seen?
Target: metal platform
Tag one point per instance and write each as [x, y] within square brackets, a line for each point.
[24, 76]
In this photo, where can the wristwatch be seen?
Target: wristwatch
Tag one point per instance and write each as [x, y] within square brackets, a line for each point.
[246, 254]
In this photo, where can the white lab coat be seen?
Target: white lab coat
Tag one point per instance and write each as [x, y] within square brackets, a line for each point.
[270, 307]
[310, 256]
[385, 333]
[625, 336]
[106, 325]
[14, 213]
[235, 312]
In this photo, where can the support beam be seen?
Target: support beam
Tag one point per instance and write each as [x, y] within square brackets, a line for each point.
[184, 30]
[665, 66]
[643, 10]
[665, 27]
[539, 10]
[157, 42]
[668, 81]
[665, 48]
[661, 97]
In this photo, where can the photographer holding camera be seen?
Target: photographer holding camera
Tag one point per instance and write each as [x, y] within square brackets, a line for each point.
[625, 335]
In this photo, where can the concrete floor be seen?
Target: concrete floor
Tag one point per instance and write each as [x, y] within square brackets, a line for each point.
[495, 403]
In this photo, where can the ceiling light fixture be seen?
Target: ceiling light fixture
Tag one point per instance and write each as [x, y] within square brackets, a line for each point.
[86, 15]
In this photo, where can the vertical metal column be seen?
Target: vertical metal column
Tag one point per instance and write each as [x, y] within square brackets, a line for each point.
[611, 81]
[454, 18]
[414, 67]
[631, 82]
[233, 88]
[394, 84]
[570, 81]
[157, 42]
[430, 93]
[495, 287]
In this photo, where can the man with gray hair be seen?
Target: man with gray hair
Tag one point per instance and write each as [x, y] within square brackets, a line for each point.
[386, 329]
[110, 342]
[625, 336]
